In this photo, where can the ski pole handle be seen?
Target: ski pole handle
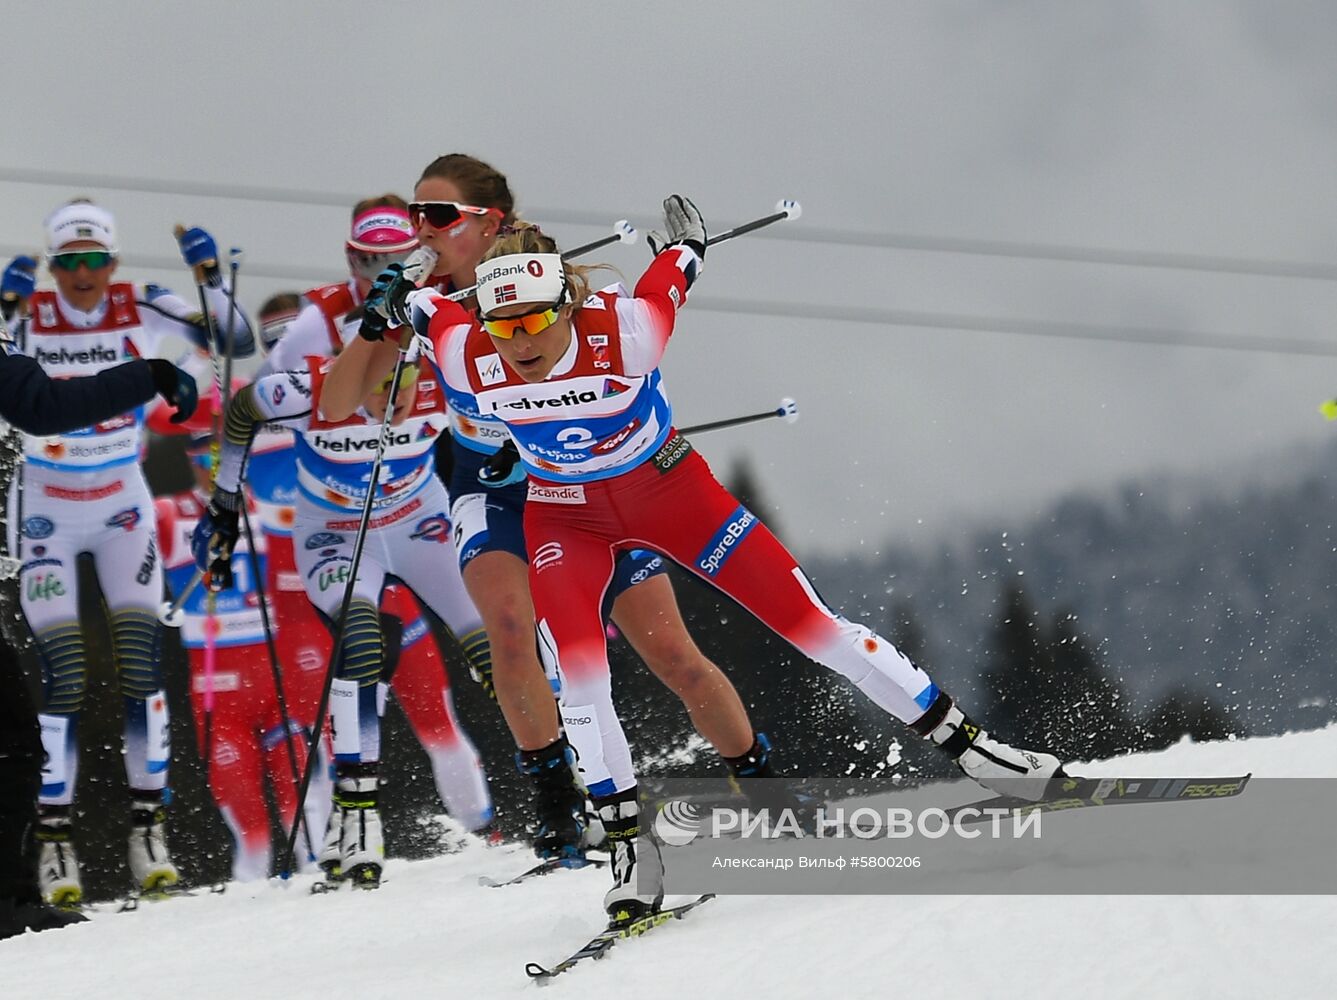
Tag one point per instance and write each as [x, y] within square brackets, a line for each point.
[787, 411]
[623, 232]
[785, 208]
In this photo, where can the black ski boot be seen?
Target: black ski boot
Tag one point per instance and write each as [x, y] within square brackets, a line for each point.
[561, 803]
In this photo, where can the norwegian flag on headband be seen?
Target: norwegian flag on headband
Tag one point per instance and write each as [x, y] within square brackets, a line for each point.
[504, 293]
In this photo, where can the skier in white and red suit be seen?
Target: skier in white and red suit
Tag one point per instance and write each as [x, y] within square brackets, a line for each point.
[576, 379]
[408, 537]
[84, 492]
[323, 320]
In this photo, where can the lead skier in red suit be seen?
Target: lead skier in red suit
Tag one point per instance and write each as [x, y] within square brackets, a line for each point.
[575, 377]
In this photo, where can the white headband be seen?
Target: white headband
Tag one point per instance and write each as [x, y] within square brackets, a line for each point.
[520, 277]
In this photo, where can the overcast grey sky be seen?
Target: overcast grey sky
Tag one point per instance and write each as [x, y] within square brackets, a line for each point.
[1172, 131]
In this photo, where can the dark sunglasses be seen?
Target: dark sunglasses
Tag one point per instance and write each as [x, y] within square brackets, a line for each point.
[94, 260]
[445, 214]
[369, 265]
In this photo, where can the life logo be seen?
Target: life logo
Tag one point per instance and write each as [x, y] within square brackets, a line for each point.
[127, 519]
[678, 823]
[433, 529]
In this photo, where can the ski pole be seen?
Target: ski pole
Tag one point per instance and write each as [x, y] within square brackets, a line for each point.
[501, 463]
[14, 561]
[257, 571]
[787, 410]
[785, 208]
[275, 668]
[623, 232]
[200, 274]
[171, 613]
[417, 267]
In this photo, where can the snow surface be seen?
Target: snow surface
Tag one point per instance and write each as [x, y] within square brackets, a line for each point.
[433, 931]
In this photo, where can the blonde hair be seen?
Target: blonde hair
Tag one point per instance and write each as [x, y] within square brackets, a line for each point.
[526, 237]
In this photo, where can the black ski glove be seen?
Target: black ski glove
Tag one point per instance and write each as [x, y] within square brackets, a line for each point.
[215, 539]
[176, 387]
[503, 467]
[387, 303]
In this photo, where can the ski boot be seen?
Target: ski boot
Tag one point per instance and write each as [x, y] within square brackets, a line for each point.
[330, 860]
[150, 864]
[638, 869]
[998, 767]
[561, 825]
[362, 848]
[751, 775]
[57, 866]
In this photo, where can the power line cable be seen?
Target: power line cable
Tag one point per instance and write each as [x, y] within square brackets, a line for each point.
[1144, 336]
[1058, 252]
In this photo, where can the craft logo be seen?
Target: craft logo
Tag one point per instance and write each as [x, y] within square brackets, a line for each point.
[505, 293]
[145, 574]
[126, 519]
[433, 529]
[534, 268]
